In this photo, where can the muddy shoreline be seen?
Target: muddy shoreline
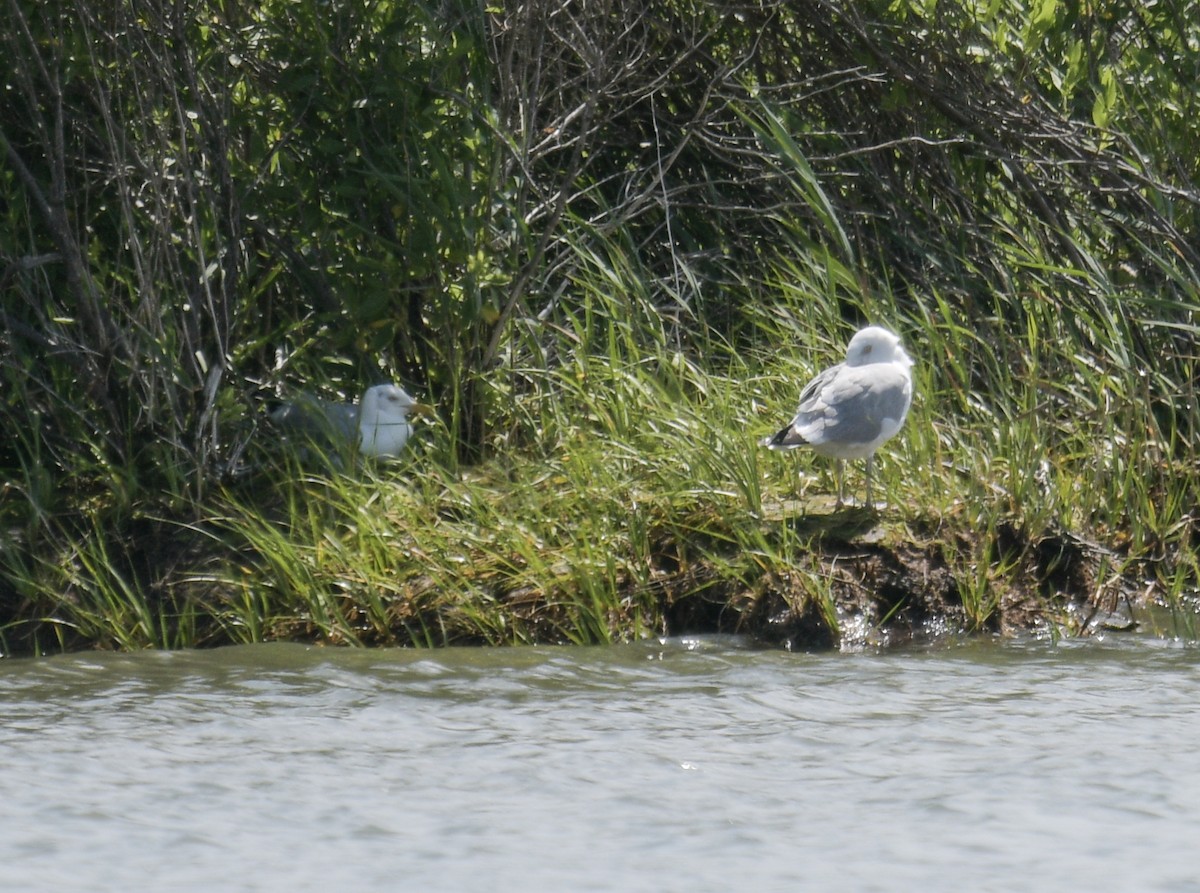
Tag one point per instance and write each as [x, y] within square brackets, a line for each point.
[894, 586]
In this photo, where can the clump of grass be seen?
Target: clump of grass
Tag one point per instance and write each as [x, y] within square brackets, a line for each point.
[93, 590]
[563, 547]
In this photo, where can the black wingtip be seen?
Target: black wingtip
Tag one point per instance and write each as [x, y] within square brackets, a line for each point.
[783, 439]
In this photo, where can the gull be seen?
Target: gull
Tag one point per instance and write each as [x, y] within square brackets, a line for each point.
[849, 410]
[377, 427]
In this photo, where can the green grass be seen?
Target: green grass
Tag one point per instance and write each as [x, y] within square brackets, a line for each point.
[640, 465]
[626, 496]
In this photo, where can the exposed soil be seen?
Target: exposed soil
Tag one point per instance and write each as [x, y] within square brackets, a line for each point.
[896, 586]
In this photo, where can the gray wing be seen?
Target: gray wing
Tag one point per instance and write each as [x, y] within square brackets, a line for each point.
[319, 420]
[847, 404]
[811, 397]
[793, 435]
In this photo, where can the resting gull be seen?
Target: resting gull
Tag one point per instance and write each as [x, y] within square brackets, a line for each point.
[849, 410]
[377, 427]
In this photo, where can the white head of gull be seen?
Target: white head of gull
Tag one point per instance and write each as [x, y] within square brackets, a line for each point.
[849, 410]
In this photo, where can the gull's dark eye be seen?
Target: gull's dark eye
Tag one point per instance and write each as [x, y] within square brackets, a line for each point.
[867, 349]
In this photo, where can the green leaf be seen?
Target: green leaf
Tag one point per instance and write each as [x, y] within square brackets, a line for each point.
[1106, 98]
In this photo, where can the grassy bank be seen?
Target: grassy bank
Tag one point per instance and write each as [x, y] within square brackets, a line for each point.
[1035, 487]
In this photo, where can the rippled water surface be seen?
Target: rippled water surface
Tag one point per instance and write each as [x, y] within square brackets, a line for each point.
[677, 766]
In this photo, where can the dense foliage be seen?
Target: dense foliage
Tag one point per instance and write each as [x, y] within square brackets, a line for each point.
[208, 203]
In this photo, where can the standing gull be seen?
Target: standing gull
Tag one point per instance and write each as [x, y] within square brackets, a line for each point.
[849, 410]
[377, 427]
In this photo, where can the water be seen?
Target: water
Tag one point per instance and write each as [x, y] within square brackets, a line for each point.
[679, 766]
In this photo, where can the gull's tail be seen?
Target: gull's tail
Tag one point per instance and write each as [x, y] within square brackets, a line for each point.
[785, 439]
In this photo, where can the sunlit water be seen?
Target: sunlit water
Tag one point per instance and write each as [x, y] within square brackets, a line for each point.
[665, 767]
